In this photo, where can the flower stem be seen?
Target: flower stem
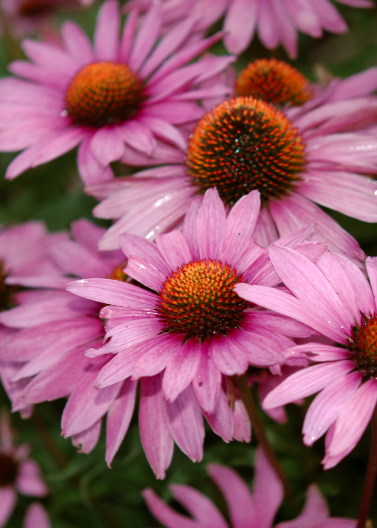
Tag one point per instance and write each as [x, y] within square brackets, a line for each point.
[370, 477]
[50, 443]
[247, 398]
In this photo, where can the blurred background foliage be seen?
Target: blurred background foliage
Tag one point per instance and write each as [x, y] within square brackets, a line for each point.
[84, 492]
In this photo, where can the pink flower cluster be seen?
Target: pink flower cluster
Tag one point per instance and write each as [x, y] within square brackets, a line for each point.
[220, 262]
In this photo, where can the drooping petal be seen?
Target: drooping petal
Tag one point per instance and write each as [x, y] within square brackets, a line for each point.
[119, 418]
[268, 491]
[185, 424]
[155, 437]
[237, 495]
[164, 513]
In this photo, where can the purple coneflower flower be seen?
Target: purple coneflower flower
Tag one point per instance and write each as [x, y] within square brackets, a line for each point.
[314, 151]
[42, 358]
[24, 262]
[334, 298]
[120, 92]
[36, 369]
[18, 473]
[276, 21]
[254, 510]
[185, 332]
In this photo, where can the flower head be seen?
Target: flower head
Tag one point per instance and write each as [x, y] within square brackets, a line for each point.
[182, 331]
[334, 298]
[24, 262]
[255, 510]
[275, 82]
[119, 92]
[18, 473]
[294, 156]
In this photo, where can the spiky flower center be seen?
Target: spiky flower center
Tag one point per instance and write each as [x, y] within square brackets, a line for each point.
[198, 300]
[275, 82]
[103, 93]
[8, 470]
[363, 346]
[7, 291]
[245, 145]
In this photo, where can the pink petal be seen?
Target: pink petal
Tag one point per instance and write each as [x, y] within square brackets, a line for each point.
[268, 25]
[326, 407]
[29, 480]
[315, 511]
[118, 418]
[77, 43]
[87, 440]
[157, 442]
[228, 358]
[206, 382]
[58, 380]
[306, 382]
[137, 135]
[115, 292]
[237, 495]
[199, 506]
[86, 405]
[180, 370]
[165, 514]
[135, 245]
[146, 37]
[162, 129]
[107, 146]
[350, 284]
[355, 195]
[144, 272]
[268, 491]
[308, 284]
[239, 31]
[189, 227]
[358, 412]
[211, 225]
[107, 32]
[221, 419]
[91, 171]
[288, 305]
[122, 365]
[296, 211]
[185, 423]
[174, 249]
[240, 226]
[7, 502]
[128, 36]
[36, 517]
[168, 45]
[51, 58]
[371, 265]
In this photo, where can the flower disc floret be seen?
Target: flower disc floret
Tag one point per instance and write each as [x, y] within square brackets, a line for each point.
[245, 145]
[103, 93]
[275, 82]
[8, 470]
[363, 346]
[198, 300]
